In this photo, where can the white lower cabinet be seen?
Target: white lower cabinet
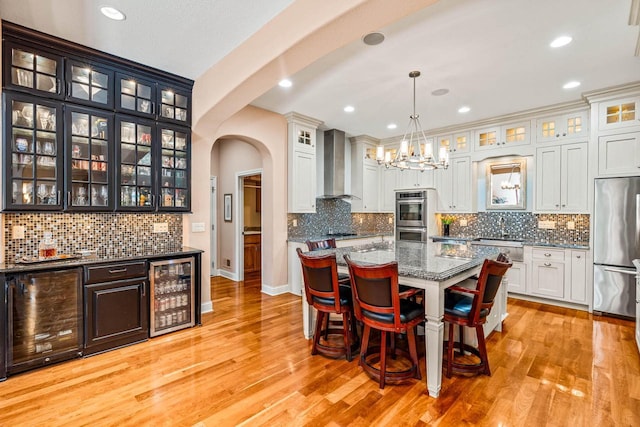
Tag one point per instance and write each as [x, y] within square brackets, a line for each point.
[555, 274]
[516, 278]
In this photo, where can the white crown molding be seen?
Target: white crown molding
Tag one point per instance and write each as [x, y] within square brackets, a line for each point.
[612, 92]
[293, 117]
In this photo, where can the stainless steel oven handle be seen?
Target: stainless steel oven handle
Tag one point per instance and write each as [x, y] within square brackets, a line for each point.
[620, 270]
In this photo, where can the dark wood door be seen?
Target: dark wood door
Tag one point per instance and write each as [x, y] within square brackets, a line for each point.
[116, 314]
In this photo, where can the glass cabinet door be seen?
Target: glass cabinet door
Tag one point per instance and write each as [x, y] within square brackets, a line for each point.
[33, 164]
[174, 169]
[134, 144]
[175, 105]
[88, 136]
[33, 71]
[135, 95]
[89, 84]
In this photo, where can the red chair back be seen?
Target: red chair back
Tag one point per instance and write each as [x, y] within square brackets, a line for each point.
[316, 245]
[487, 286]
[320, 276]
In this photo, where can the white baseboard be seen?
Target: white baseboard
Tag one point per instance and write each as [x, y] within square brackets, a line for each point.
[275, 290]
[229, 275]
[206, 307]
[215, 272]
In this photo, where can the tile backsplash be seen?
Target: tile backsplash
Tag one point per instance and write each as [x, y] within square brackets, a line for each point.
[522, 225]
[334, 216]
[110, 234]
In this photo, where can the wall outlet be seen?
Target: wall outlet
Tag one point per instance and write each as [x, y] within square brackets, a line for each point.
[390, 220]
[295, 222]
[463, 222]
[361, 220]
[571, 225]
[547, 225]
[17, 232]
[228, 261]
[160, 227]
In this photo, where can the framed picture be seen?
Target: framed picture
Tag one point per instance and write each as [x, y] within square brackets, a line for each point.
[227, 207]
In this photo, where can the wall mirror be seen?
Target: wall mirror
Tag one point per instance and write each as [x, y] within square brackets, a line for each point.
[506, 185]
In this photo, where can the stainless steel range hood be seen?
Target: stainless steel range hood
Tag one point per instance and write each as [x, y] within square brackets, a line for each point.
[334, 165]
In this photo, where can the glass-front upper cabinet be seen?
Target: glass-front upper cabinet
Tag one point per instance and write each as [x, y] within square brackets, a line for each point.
[89, 159]
[33, 175]
[174, 104]
[134, 147]
[32, 70]
[174, 168]
[89, 84]
[135, 95]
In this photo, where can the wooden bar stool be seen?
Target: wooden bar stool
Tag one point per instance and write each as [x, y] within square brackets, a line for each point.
[378, 305]
[327, 296]
[471, 308]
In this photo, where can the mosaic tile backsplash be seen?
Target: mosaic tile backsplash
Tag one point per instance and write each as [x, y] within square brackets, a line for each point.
[334, 216]
[522, 225]
[109, 234]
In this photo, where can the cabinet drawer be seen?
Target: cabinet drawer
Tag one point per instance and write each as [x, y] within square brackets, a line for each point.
[548, 254]
[112, 272]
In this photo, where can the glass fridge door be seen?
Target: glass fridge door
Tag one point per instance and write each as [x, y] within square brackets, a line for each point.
[172, 295]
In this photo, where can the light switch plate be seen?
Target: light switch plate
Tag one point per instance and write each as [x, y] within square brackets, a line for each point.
[547, 225]
[197, 227]
[463, 222]
[160, 227]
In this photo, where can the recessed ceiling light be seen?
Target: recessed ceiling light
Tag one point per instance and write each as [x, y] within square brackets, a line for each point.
[373, 39]
[440, 92]
[392, 126]
[349, 109]
[464, 109]
[571, 85]
[285, 83]
[561, 41]
[112, 13]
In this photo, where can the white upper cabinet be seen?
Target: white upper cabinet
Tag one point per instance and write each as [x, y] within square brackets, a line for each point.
[619, 154]
[412, 179]
[503, 136]
[562, 178]
[364, 176]
[621, 113]
[562, 127]
[458, 143]
[454, 186]
[388, 184]
[301, 163]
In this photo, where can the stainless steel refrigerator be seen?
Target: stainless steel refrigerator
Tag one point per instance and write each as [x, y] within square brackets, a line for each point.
[616, 245]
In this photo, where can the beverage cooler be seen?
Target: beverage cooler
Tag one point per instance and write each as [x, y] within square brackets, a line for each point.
[172, 295]
[44, 318]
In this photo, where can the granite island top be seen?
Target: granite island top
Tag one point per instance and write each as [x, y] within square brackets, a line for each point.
[429, 261]
[81, 261]
[549, 243]
[349, 236]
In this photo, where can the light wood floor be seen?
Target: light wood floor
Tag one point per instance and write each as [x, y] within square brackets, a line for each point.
[249, 365]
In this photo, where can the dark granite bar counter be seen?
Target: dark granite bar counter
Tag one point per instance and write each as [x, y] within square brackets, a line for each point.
[7, 268]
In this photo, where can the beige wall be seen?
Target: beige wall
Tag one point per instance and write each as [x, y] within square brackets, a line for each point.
[301, 34]
[234, 156]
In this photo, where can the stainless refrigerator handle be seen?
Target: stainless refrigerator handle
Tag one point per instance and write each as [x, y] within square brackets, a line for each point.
[637, 221]
[620, 270]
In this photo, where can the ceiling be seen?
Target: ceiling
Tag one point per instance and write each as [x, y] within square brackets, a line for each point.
[492, 55]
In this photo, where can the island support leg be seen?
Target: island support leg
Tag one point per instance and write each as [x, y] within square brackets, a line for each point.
[434, 335]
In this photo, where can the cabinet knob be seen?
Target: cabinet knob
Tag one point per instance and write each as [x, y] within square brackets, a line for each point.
[557, 206]
[564, 206]
[547, 255]
[564, 134]
[557, 135]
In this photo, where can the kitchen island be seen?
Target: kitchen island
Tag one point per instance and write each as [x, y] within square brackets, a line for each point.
[429, 266]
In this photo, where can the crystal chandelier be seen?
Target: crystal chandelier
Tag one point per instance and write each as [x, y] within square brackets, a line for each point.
[415, 152]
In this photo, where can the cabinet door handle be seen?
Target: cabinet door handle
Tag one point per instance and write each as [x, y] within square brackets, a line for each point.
[547, 255]
[69, 198]
[58, 86]
[118, 270]
[58, 197]
[578, 256]
[144, 289]
[547, 264]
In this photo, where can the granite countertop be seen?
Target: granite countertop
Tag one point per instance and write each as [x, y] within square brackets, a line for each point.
[81, 261]
[337, 237]
[429, 261]
[556, 244]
